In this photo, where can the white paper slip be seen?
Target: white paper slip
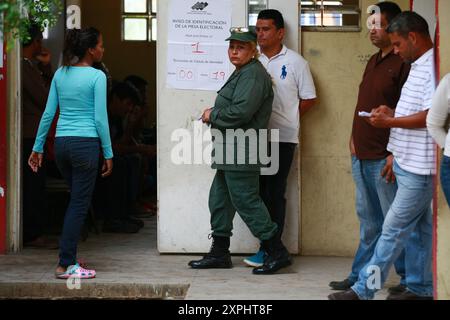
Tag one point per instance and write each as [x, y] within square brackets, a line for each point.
[364, 114]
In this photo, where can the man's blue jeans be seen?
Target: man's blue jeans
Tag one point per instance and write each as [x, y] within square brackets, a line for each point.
[77, 160]
[374, 197]
[445, 177]
[408, 225]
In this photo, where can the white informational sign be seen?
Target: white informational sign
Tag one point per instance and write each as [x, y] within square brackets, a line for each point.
[197, 56]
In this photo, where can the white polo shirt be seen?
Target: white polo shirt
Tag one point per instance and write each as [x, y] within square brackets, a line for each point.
[414, 149]
[438, 115]
[292, 81]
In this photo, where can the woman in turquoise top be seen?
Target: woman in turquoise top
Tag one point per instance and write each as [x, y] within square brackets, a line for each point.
[79, 91]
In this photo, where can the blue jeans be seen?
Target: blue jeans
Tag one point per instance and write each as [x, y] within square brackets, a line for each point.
[77, 160]
[408, 225]
[445, 177]
[374, 197]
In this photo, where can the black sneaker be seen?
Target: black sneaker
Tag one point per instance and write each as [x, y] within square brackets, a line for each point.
[341, 285]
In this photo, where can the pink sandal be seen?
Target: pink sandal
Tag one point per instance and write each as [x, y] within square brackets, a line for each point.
[76, 271]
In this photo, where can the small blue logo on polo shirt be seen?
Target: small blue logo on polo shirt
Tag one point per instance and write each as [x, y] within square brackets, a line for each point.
[283, 72]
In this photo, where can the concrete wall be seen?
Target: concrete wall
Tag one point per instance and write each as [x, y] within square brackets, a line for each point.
[122, 58]
[337, 59]
[183, 218]
[14, 151]
[443, 240]
[183, 225]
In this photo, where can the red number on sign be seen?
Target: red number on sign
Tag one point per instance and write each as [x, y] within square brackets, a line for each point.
[219, 75]
[195, 48]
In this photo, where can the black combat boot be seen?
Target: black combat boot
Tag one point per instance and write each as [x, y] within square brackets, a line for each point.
[218, 256]
[277, 257]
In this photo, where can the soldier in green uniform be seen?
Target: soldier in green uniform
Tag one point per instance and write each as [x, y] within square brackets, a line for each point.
[242, 108]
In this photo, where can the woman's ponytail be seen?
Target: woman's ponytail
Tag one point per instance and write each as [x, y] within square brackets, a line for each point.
[70, 44]
[77, 43]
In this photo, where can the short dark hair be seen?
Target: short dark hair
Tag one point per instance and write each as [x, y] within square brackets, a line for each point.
[389, 9]
[273, 14]
[34, 32]
[124, 90]
[408, 21]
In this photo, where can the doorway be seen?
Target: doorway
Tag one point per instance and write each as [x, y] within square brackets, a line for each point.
[129, 64]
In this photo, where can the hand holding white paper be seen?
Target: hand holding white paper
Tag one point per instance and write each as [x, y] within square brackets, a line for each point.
[364, 114]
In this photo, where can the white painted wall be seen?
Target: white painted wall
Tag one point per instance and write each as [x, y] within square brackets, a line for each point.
[183, 215]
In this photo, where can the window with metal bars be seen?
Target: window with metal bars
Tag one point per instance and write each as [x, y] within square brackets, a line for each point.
[318, 15]
[139, 20]
[254, 7]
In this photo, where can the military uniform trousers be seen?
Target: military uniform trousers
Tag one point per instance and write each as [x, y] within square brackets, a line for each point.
[238, 191]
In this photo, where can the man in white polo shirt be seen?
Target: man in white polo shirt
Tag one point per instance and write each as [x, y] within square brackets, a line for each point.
[408, 223]
[295, 94]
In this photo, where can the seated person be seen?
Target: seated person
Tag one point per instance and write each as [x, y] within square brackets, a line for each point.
[141, 109]
[117, 193]
[140, 135]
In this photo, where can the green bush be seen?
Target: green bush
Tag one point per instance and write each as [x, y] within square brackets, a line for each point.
[17, 14]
